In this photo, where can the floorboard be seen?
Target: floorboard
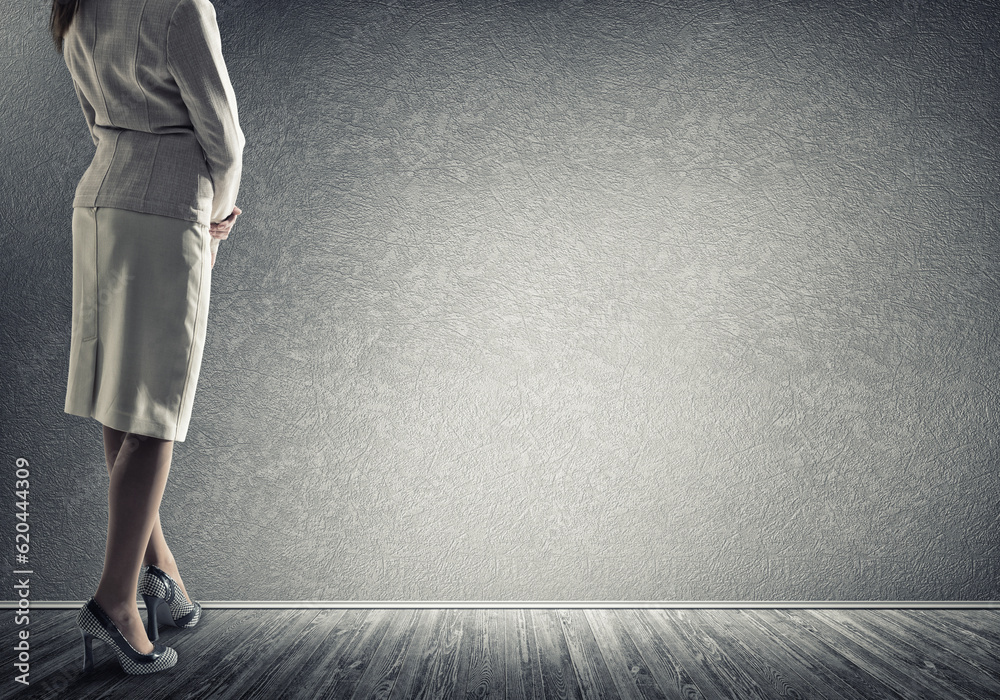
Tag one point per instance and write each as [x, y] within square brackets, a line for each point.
[866, 646]
[823, 647]
[524, 675]
[664, 665]
[632, 678]
[558, 675]
[796, 653]
[766, 667]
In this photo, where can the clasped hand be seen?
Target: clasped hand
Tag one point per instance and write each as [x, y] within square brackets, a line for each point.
[221, 229]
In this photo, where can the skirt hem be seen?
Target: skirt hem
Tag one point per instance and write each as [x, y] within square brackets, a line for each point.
[130, 424]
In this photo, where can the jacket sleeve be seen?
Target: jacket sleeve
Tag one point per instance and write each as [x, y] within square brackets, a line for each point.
[194, 59]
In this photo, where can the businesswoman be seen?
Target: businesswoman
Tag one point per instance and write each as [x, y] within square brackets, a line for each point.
[148, 215]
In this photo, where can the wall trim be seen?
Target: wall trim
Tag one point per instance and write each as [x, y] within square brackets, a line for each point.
[415, 604]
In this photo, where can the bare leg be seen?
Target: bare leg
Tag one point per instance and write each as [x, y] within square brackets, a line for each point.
[157, 552]
[138, 478]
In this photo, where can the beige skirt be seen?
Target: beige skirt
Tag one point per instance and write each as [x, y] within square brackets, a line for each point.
[141, 284]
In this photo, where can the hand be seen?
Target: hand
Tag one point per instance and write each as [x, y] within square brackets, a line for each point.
[221, 229]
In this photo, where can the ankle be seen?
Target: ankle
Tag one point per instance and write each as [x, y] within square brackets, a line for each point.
[119, 611]
[160, 562]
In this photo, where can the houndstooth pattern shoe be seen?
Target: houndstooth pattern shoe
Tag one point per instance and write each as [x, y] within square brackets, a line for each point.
[165, 602]
[94, 622]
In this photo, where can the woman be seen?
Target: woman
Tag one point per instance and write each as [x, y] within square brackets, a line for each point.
[148, 215]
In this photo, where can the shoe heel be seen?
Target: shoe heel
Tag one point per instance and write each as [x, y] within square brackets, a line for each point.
[173, 607]
[153, 604]
[88, 651]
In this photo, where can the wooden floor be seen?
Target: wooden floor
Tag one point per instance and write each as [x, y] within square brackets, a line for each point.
[538, 653]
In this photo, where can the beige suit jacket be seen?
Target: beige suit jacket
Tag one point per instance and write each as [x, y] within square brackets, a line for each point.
[161, 110]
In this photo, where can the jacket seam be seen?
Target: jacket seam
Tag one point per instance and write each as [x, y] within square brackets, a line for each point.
[97, 75]
[111, 162]
[152, 167]
[197, 319]
[170, 24]
[135, 65]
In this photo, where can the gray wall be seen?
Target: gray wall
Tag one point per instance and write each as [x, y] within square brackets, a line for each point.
[557, 301]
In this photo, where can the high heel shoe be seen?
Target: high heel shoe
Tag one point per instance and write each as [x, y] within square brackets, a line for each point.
[94, 622]
[165, 602]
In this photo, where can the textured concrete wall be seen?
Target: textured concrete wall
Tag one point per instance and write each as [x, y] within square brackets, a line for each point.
[557, 301]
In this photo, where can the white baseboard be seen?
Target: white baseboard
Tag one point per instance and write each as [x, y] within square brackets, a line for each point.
[591, 604]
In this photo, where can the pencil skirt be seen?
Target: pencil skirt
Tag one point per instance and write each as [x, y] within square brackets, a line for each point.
[141, 286]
